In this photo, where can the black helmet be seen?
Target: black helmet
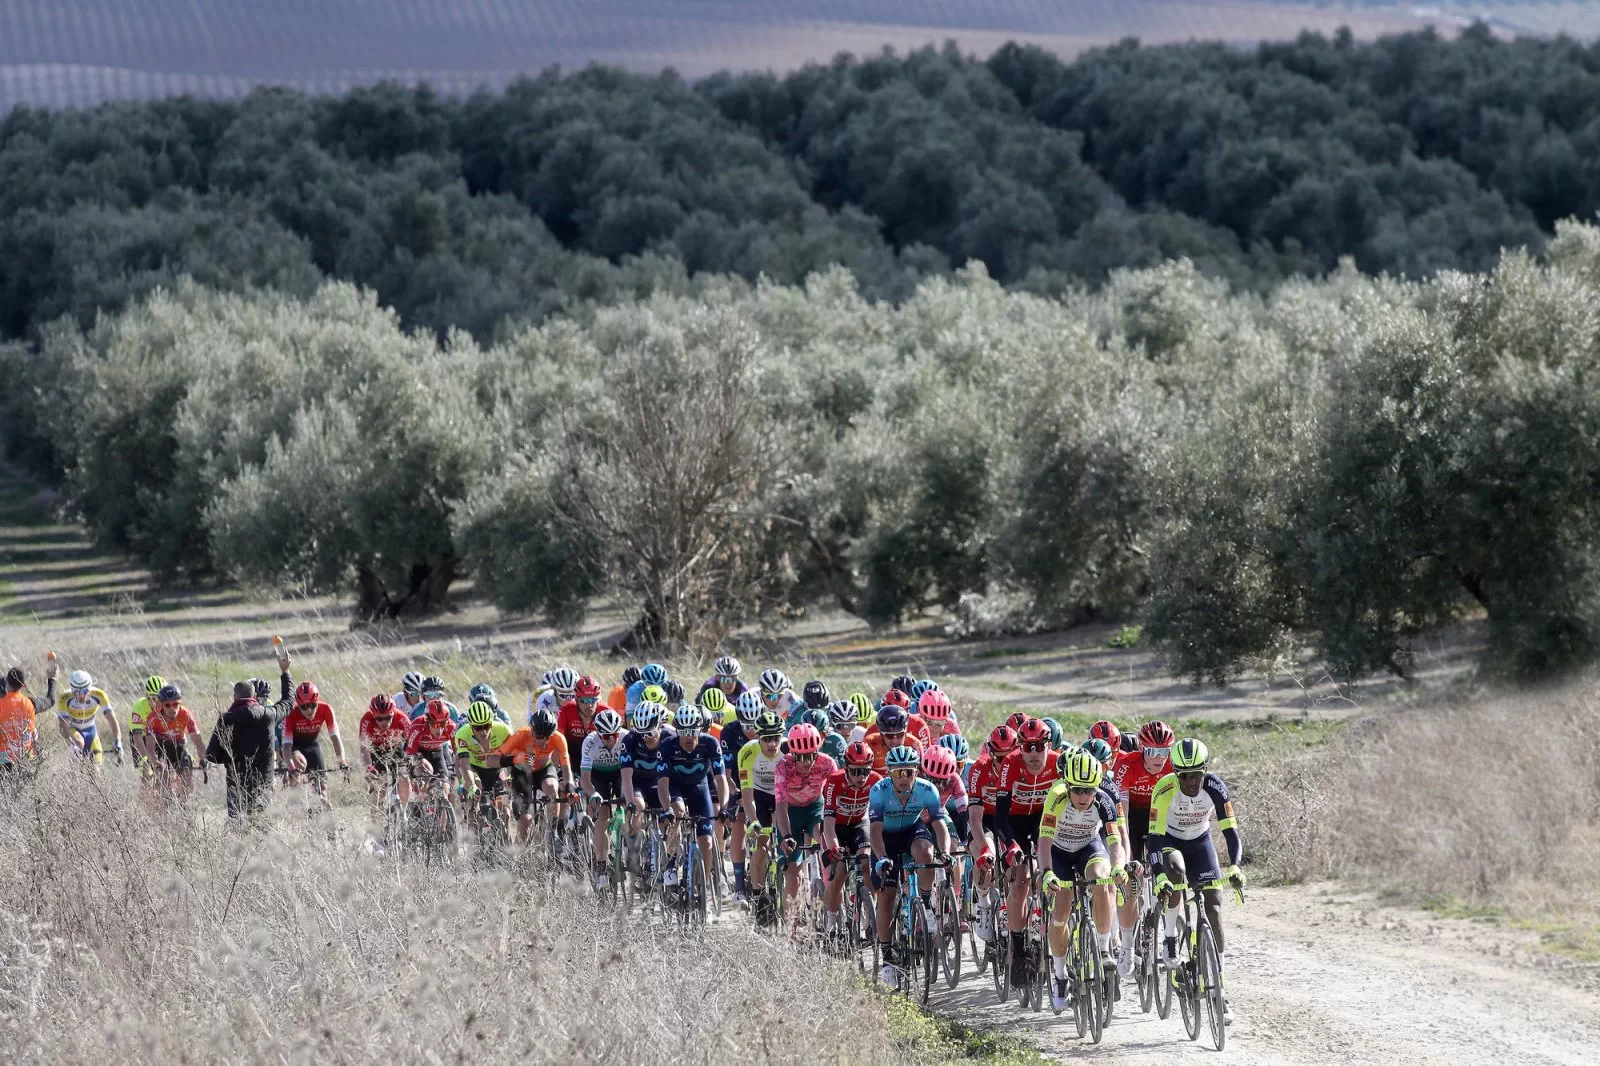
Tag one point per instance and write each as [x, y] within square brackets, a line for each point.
[169, 692]
[544, 723]
[904, 683]
[674, 692]
[630, 676]
[262, 688]
[816, 695]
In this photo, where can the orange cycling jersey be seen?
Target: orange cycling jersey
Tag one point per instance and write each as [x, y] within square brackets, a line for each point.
[528, 752]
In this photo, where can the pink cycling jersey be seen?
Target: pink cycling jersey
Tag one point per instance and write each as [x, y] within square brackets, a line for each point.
[802, 788]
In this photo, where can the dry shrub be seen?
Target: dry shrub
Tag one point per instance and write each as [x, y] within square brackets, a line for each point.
[133, 935]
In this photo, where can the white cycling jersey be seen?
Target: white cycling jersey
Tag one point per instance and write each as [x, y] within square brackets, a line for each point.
[597, 758]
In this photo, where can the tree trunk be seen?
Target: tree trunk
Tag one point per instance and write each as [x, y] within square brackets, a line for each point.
[372, 601]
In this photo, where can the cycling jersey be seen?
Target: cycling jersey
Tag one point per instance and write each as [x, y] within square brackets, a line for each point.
[383, 730]
[982, 776]
[428, 735]
[833, 745]
[180, 724]
[1071, 828]
[1134, 781]
[137, 713]
[734, 738]
[599, 759]
[953, 794]
[844, 802]
[570, 724]
[757, 770]
[543, 700]
[469, 745]
[421, 710]
[647, 763]
[916, 726]
[880, 749]
[533, 754]
[404, 705]
[1026, 788]
[691, 768]
[1180, 817]
[617, 699]
[305, 727]
[895, 812]
[81, 712]
[801, 788]
[634, 694]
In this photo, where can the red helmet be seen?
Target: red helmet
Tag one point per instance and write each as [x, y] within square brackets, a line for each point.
[305, 693]
[939, 763]
[1003, 740]
[1156, 734]
[804, 739]
[1034, 731]
[934, 704]
[438, 711]
[895, 698]
[381, 704]
[1016, 719]
[1108, 732]
[588, 688]
[858, 754]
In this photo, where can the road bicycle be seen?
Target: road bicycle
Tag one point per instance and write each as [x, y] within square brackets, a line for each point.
[917, 941]
[804, 916]
[1087, 988]
[697, 896]
[765, 892]
[432, 821]
[947, 918]
[1196, 974]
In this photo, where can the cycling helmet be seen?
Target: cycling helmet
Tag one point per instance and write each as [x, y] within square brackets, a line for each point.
[818, 720]
[631, 675]
[956, 745]
[653, 694]
[1107, 731]
[921, 687]
[713, 701]
[902, 758]
[707, 719]
[1156, 734]
[169, 693]
[80, 681]
[1099, 749]
[646, 716]
[863, 707]
[804, 739]
[432, 683]
[481, 715]
[608, 723]
[895, 698]
[1189, 754]
[381, 704]
[263, 688]
[893, 720]
[481, 693]
[903, 684]
[815, 695]
[858, 754]
[587, 688]
[841, 713]
[749, 708]
[438, 711]
[653, 674]
[939, 764]
[687, 717]
[544, 722]
[1055, 731]
[1033, 731]
[564, 679]
[152, 685]
[673, 690]
[727, 666]
[306, 692]
[1080, 769]
[1016, 718]
[769, 725]
[411, 682]
[773, 681]
[934, 704]
[1002, 741]
[1130, 742]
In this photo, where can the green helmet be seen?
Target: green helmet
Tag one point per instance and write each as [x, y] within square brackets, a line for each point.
[1080, 769]
[153, 685]
[1099, 749]
[865, 712]
[769, 725]
[818, 718]
[1055, 731]
[1189, 754]
[480, 714]
[653, 694]
[714, 701]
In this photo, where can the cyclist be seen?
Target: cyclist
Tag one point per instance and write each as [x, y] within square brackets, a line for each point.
[408, 701]
[168, 727]
[1057, 735]
[777, 693]
[866, 716]
[725, 679]
[76, 712]
[1136, 774]
[483, 692]
[380, 740]
[576, 718]
[797, 799]
[841, 724]
[758, 791]
[1081, 822]
[890, 733]
[981, 781]
[429, 739]
[694, 765]
[635, 689]
[138, 713]
[653, 674]
[904, 814]
[957, 745]
[433, 689]
[844, 838]
[556, 687]
[643, 762]
[1179, 846]
[813, 697]
[1025, 778]
[302, 728]
[714, 707]
[734, 737]
[540, 761]
[939, 767]
[916, 726]
[478, 743]
[600, 764]
[934, 708]
[714, 710]
[617, 698]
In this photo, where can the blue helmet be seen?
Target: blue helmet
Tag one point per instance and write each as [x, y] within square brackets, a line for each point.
[957, 744]
[482, 693]
[653, 674]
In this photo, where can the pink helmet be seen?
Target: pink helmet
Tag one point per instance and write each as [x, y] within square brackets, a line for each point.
[939, 763]
[804, 740]
[934, 704]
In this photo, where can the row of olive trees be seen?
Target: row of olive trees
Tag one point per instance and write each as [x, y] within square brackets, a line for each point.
[1341, 464]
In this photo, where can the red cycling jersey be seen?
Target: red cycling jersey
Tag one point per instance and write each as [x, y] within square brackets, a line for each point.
[1134, 781]
[572, 726]
[178, 725]
[428, 735]
[301, 725]
[845, 803]
[1025, 787]
[982, 776]
[383, 730]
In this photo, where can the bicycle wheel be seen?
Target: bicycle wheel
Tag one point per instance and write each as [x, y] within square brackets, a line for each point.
[923, 966]
[1144, 964]
[1161, 974]
[975, 943]
[1039, 958]
[1187, 987]
[1209, 974]
[949, 921]
[1093, 981]
[1002, 962]
[1076, 989]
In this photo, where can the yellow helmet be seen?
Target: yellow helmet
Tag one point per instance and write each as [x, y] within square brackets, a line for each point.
[653, 694]
[1080, 769]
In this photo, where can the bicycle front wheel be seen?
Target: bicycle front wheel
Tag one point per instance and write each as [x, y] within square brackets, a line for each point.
[1209, 974]
[1092, 981]
[925, 951]
[949, 921]
[1002, 962]
[1187, 985]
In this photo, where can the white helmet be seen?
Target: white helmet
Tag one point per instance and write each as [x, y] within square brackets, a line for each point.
[80, 681]
[774, 681]
[564, 680]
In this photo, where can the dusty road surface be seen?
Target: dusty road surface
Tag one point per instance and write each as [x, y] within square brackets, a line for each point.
[1320, 975]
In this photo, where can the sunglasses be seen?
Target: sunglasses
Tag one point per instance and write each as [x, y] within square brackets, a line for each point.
[808, 757]
[480, 729]
[770, 697]
[588, 701]
[171, 705]
[1034, 747]
[688, 734]
[857, 771]
[1082, 791]
[902, 771]
[1160, 753]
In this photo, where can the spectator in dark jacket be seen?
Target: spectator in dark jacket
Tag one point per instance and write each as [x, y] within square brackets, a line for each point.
[243, 740]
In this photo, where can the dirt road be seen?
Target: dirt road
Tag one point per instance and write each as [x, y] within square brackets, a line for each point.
[1318, 975]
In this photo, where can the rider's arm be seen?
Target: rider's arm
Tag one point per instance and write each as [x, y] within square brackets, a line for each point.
[627, 783]
[111, 720]
[1160, 805]
[664, 792]
[723, 791]
[1002, 817]
[1225, 822]
[1110, 831]
[338, 742]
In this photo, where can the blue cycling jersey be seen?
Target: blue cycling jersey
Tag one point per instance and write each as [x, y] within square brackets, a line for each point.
[692, 767]
[646, 764]
[634, 694]
[898, 812]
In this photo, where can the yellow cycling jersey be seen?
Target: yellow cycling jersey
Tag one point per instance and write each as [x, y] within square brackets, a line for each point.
[467, 745]
[81, 711]
[756, 770]
[138, 714]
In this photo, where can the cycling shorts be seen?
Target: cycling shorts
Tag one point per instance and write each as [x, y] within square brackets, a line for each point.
[1199, 858]
[489, 779]
[442, 767]
[386, 764]
[609, 786]
[173, 753]
[852, 838]
[651, 794]
[1070, 864]
[766, 802]
[806, 819]
[88, 734]
[897, 846]
[697, 800]
[1025, 831]
[312, 751]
